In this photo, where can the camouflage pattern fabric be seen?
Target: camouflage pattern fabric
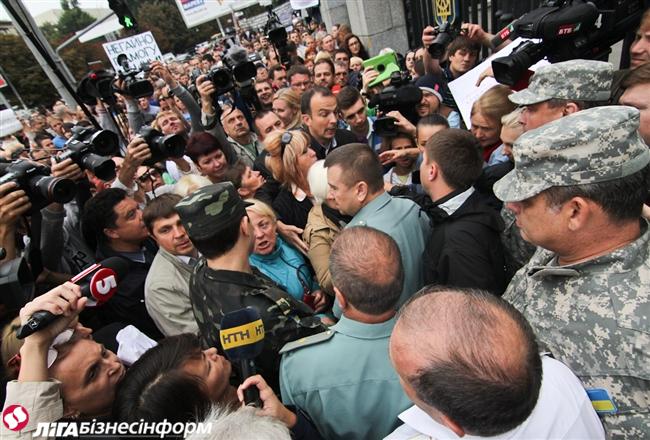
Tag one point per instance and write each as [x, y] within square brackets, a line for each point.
[216, 292]
[210, 209]
[595, 145]
[595, 318]
[577, 80]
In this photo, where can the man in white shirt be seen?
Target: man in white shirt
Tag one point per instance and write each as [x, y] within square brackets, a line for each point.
[481, 375]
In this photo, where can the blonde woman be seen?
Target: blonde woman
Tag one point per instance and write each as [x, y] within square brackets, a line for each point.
[286, 104]
[279, 261]
[485, 117]
[289, 160]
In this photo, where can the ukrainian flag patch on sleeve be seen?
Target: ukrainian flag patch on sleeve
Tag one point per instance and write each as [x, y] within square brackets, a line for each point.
[601, 401]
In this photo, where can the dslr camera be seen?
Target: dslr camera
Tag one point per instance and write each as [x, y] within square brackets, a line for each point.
[400, 95]
[162, 146]
[41, 188]
[91, 150]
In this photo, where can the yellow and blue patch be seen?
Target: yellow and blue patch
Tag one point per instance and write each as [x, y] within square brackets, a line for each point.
[602, 401]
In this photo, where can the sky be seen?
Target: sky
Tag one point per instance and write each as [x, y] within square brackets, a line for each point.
[35, 7]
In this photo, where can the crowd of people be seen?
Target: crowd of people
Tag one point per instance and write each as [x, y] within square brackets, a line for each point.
[486, 278]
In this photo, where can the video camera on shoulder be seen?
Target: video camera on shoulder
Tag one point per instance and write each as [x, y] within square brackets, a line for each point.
[402, 96]
[41, 188]
[568, 30]
[92, 150]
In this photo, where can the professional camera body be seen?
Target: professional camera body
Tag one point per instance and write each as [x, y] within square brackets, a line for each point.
[277, 35]
[138, 88]
[101, 83]
[41, 188]
[162, 146]
[401, 96]
[568, 30]
[446, 34]
[92, 150]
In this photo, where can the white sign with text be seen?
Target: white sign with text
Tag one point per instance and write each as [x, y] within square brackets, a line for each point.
[141, 48]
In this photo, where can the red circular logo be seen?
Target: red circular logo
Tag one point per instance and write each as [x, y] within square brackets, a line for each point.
[103, 284]
[15, 417]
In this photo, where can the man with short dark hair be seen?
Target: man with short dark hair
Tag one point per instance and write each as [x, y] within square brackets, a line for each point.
[264, 92]
[112, 223]
[341, 397]
[167, 286]
[299, 78]
[470, 363]
[577, 190]
[223, 281]
[278, 77]
[44, 148]
[324, 73]
[464, 249]
[319, 114]
[355, 114]
[356, 183]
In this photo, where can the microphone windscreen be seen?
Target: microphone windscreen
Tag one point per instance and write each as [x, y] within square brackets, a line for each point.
[409, 95]
[242, 334]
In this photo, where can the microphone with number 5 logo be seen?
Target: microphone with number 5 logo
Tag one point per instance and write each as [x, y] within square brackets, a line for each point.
[98, 283]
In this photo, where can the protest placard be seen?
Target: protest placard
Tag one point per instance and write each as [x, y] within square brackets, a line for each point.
[141, 48]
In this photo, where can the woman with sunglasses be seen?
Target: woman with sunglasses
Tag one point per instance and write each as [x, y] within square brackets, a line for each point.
[289, 160]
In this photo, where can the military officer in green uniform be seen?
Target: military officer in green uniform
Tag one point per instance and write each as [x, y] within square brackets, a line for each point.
[223, 281]
[343, 378]
[577, 190]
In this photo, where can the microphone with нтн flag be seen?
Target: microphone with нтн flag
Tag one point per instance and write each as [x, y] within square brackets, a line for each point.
[242, 339]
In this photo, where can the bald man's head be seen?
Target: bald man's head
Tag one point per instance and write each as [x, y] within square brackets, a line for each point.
[469, 356]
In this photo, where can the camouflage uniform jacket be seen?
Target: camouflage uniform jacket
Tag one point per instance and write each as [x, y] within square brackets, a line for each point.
[595, 317]
[216, 292]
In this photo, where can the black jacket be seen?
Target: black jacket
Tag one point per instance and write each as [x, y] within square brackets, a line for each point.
[464, 249]
[342, 137]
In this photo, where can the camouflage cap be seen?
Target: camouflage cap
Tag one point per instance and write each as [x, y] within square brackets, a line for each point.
[578, 80]
[210, 209]
[591, 146]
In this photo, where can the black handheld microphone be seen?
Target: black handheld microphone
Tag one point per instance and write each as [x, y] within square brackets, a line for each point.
[507, 33]
[242, 339]
[98, 283]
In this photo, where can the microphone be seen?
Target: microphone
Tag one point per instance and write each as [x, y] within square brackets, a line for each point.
[508, 32]
[242, 339]
[98, 283]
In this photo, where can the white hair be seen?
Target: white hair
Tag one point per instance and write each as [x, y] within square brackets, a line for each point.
[317, 178]
[189, 183]
[242, 424]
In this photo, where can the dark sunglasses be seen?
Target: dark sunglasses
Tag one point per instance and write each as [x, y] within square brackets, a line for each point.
[284, 141]
[150, 174]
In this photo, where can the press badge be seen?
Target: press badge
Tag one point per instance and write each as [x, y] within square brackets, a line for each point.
[601, 401]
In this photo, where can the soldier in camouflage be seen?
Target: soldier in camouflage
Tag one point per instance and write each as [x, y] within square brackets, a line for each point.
[555, 91]
[577, 191]
[223, 281]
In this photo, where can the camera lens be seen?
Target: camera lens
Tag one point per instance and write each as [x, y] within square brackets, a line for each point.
[53, 189]
[100, 166]
[104, 142]
[172, 145]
